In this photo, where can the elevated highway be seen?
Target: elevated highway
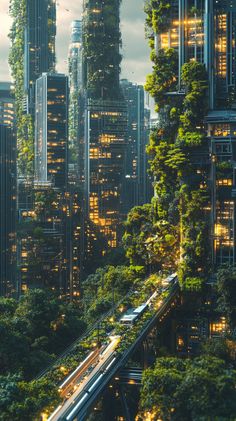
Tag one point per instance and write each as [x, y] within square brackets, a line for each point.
[83, 387]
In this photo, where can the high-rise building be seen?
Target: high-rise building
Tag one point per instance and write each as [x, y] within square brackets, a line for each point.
[7, 211]
[102, 39]
[136, 179]
[39, 44]
[7, 104]
[105, 117]
[75, 57]
[206, 31]
[75, 100]
[106, 126]
[51, 130]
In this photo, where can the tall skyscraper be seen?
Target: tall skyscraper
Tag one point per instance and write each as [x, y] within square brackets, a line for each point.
[206, 31]
[32, 53]
[105, 117]
[106, 127]
[75, 101]
[102, 39]
[7, 211]
[75, 57]
[39, 44]
[136, 178]
[51, 130]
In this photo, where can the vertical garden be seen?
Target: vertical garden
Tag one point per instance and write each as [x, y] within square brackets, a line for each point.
[16, 60]
[101, 41]
[178, 150]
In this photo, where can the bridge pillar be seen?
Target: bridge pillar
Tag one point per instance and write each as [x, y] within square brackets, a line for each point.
[124, 404]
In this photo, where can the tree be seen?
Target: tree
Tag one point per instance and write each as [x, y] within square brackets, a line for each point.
[150, 241]
[39, 327]
[107, 286]
[199, 389]
[20, 400]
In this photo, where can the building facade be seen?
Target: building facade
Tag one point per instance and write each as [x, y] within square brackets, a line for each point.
[7, 211]
[137, 184]
[105, 118]
[106, 125]
[206, 31]
[75, 101]
[51, 130]
[7, 104]
[39, 45]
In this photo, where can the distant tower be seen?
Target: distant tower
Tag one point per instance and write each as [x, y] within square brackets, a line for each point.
[102, 39]
[51, 129]
[39, 44]
[105, 117]
[136, 179]
[75, 84]
[75, 56]
[7, 211]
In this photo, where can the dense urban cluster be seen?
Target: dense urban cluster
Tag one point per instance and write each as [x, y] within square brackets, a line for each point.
[99, 203]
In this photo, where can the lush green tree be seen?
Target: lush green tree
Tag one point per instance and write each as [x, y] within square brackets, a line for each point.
[199, 389]
[163, 78]
[150, 241]
[107, 286]
[39, 327]
[24, 401]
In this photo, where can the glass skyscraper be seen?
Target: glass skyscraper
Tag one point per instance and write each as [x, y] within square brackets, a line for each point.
[105, 118]
[137, 184]
[7, 211]
[51, 130]
[206, 31]
[39, 44]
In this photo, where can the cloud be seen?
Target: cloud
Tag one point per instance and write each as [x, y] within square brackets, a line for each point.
[4, 41]
[135, 49]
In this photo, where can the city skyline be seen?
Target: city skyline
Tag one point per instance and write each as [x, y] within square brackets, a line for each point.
[136, 63]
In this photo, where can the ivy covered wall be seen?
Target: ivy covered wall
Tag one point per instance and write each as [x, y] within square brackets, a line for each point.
[101, 42]
[178, 149]
[25, 134]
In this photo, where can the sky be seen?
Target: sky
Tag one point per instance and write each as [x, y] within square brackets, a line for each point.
[135, 50]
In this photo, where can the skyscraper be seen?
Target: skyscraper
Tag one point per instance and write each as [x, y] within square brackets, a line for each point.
[32, 53]
[51, 130]
[39, 44]
[105, 117]
[7, 211]
[75, 101]
[101, 42]
[206, 31]
[75, 57]
[136, 178]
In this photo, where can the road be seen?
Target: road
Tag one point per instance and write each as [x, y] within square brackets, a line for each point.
[84, 389]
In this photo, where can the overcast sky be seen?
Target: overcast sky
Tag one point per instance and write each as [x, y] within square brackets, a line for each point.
[136, 62]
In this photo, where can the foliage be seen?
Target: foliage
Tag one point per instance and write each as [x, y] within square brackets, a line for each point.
[181, 189]
[148, 241]
[163, 78]
[101, 42]
[199, 389]
[106, 287]
[158, 15]
[25, 131]
[38, 327]
[24, 401]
